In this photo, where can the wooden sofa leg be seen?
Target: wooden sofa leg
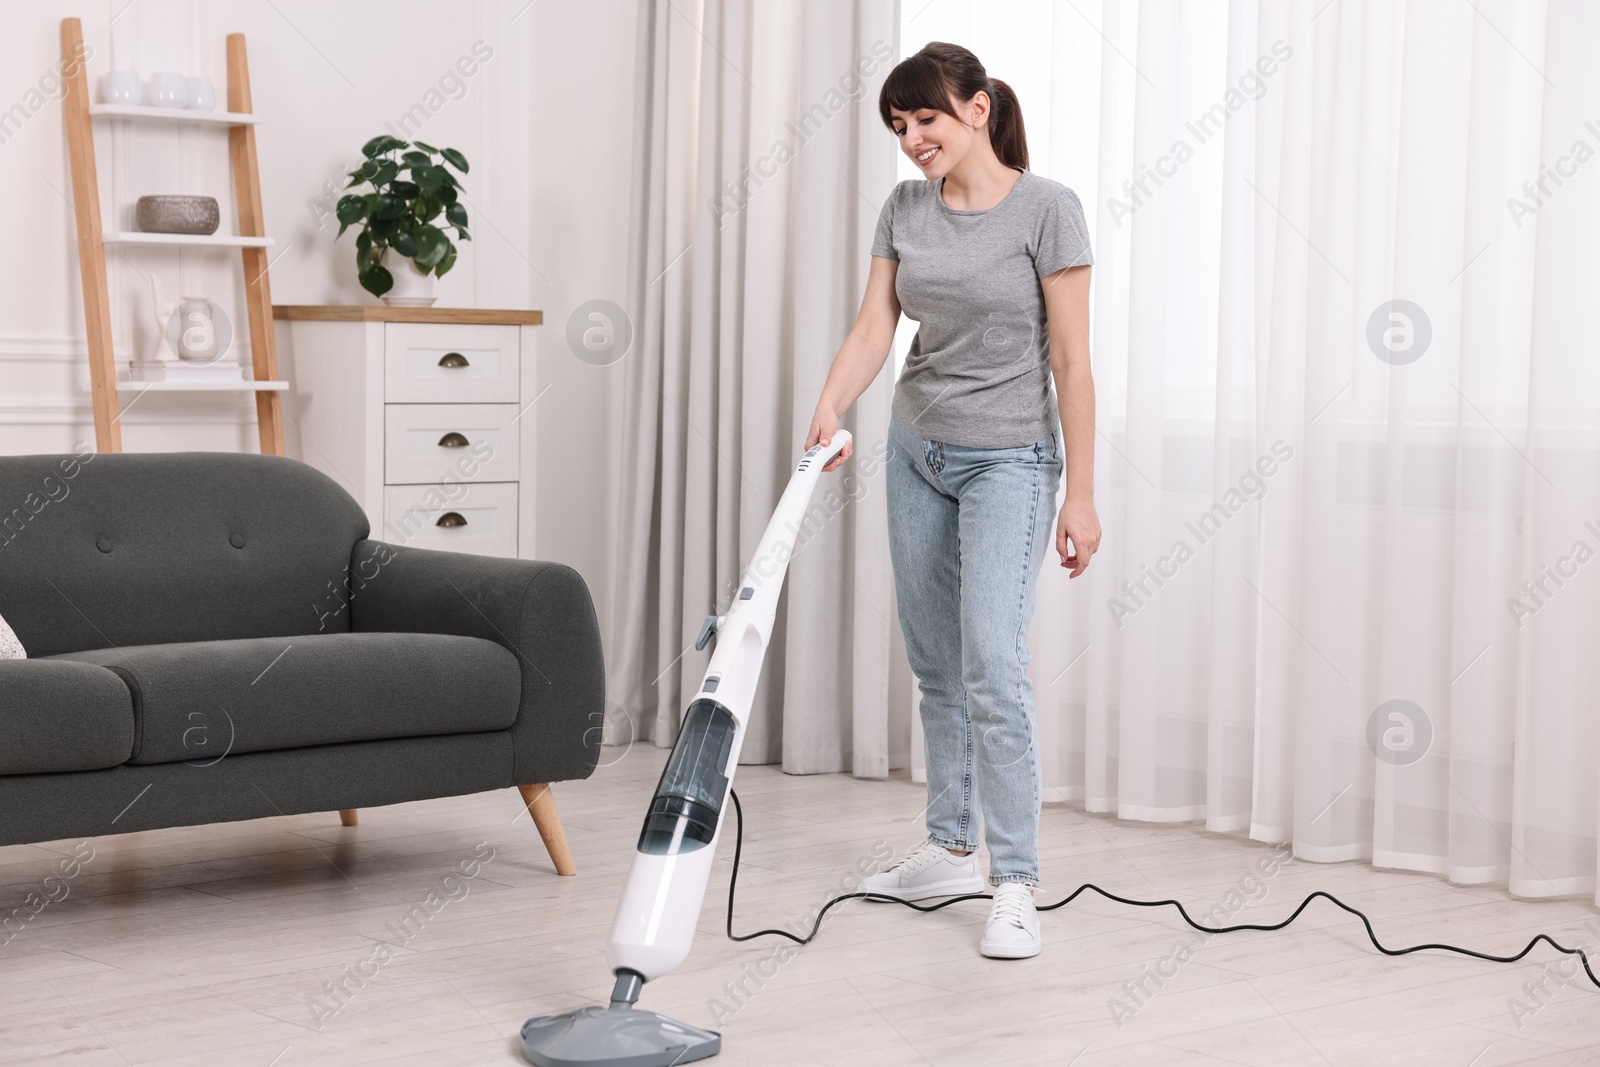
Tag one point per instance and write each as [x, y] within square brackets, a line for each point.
[348, 817]
[542, 806]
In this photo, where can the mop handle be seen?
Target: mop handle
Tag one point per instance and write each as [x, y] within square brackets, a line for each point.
[793, 514]
[762, 580]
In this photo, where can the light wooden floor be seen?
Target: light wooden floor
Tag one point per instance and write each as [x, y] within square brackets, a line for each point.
[207, 946]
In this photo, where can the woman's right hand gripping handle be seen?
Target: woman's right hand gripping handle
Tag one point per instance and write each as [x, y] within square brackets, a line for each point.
[824, 424]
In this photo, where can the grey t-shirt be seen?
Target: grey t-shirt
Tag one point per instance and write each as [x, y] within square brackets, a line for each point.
[978, 372]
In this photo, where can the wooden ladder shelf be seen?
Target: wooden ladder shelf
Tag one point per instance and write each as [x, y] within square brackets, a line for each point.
[92, 240]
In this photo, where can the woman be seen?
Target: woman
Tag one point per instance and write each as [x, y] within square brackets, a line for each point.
[992, 261]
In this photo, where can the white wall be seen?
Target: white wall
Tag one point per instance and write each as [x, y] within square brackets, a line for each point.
[545, 121]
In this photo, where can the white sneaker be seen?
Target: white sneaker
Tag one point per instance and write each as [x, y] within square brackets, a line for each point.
[1013, 929]
[929, 870]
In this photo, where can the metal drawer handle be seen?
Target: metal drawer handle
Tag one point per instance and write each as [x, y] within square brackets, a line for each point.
[453, 359]
[451, 518]
[453, 440]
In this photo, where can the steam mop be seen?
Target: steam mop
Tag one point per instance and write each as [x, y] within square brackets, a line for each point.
[661, 899]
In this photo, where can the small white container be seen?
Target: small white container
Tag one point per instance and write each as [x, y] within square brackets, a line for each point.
[199, 93]
[121, 87]
[165, 89]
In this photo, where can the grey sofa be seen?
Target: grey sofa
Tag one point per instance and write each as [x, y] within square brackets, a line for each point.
[213, 637]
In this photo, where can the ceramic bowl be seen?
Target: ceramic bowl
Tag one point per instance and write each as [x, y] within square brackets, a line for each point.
[178, 214]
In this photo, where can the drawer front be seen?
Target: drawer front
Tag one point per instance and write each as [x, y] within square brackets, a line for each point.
[480, 518]
[429, 363]
[424, 443]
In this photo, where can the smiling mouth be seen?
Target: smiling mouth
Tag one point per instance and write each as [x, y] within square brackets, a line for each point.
[926, 157]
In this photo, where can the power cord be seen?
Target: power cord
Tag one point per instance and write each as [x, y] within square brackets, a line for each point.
[738, 848]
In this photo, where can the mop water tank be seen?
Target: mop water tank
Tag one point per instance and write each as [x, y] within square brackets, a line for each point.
[687, 805]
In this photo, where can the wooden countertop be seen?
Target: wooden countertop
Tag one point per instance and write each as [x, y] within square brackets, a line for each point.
[383, 313]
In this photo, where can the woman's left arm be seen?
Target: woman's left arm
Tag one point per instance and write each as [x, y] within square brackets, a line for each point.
[1066, 305]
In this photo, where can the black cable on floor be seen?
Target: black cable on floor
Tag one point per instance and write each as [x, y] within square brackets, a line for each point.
[738, 848]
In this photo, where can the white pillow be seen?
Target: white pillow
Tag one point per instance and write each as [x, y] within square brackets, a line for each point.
[10, 647]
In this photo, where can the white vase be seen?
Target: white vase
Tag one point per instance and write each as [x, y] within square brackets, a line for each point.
[412, 288]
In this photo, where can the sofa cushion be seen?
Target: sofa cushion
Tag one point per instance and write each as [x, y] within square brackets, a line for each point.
[62, 717]
[149, 548]
[199, 701]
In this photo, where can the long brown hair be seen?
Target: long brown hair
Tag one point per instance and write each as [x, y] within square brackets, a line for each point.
[943, 72]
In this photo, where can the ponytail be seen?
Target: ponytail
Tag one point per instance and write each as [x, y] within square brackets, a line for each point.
[1006, 133]
[941, 73]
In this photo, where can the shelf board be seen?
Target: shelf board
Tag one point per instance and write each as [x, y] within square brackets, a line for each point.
[384, 313]
[132, 385]
[173, 114]
[214, 240]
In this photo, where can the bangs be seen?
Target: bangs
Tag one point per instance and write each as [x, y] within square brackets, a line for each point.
[914, 84]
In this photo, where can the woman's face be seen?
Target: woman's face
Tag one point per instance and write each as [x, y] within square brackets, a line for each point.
[936, 141]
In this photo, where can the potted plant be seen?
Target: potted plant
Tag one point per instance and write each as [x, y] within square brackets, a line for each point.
[412, 185]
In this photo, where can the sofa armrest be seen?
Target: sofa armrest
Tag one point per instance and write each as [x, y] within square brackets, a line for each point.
[541, 612]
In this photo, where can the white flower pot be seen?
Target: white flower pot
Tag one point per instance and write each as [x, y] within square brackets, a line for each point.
[412, 288]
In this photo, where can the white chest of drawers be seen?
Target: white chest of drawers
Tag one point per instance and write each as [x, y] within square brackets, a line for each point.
[425, 415]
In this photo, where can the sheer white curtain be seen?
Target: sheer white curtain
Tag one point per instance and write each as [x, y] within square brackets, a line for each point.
[1345, 337]
[760, 164]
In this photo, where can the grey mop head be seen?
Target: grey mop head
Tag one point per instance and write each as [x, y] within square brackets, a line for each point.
[618, 1036]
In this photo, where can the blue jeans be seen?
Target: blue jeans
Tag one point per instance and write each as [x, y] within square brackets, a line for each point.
[968, 530]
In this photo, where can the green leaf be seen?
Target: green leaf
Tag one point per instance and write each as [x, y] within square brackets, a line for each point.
[406, 243]
[416, 159]
[404, 190]
[456, 213]
[386, 172]
[462, 234]
[426, 208]
[388, 207]
[384, 229]
[446, 263]
[368, 254]
[376, 280]
[445, 194]
[432, 244]
[381, 144]
[455, 159]
[430, 177]
[425, 147]
[351, 209]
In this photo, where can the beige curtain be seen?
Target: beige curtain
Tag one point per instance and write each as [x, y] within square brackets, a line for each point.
[760, 165]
